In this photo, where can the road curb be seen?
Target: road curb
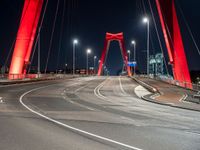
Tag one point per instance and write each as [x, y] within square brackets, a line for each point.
[152, 89]
[15, 82]
[146, 98]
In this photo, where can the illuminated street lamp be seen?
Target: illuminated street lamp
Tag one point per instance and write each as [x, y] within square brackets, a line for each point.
[95, 57]
[65, 68]
[75, 42]
[134, 53]
[146, 21]
[88, 52]
[129, 55]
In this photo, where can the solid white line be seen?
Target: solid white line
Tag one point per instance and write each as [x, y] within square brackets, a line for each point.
[1, 100]
[81, 88]
[97, 91]
[183, 99]
[122, 89]
[68, 126]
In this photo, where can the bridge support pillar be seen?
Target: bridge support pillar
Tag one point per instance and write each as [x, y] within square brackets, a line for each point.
[114, 37]
[174, 43]
[25, 38]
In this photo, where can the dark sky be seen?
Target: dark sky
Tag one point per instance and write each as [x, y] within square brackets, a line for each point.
[89, 20]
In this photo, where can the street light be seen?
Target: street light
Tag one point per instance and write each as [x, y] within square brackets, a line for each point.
[129, 55]
[95, 57]
[134, 53]
[65, 68]
[88, 52]
[146, 21]
[75, 42]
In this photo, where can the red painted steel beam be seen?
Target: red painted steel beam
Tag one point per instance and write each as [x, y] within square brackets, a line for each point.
[174, 42]
[114, 37]
[25, 37]
[33, 35]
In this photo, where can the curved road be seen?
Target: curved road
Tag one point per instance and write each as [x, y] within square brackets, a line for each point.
[91, 114]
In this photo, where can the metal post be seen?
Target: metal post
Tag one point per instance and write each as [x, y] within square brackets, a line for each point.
[38, 55]
[134, 57]
[147, 48]
[94, 64]
[74, 46]
[87, 64]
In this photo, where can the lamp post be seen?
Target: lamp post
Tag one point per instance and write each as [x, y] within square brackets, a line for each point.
[65, 68]
[88, 52]
[129, 55]
[38, 69]
[134, 53]
[95, 57]
[146, 21]
[75, 42]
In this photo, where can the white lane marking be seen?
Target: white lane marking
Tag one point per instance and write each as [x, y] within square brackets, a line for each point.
[1, 100]
[68, 126]
[97, 91]
[141, 91]
[183, 99]
[80, 88]
[122, 89]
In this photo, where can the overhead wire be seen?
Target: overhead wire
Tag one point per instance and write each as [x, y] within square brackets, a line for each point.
[158, 36]
[38, 34]
[52, 33]
[61, 34]
[188, 28]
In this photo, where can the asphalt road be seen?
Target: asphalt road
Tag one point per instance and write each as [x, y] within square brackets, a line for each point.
[91, 114]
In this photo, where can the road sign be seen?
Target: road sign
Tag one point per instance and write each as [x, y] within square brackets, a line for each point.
[132, 63]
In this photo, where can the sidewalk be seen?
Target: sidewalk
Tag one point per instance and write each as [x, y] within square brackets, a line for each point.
[170, 95]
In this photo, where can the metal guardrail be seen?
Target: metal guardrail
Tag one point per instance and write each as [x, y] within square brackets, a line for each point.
[195, 87]
[31, 76]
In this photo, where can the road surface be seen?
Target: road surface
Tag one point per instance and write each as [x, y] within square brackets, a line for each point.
[91, 113]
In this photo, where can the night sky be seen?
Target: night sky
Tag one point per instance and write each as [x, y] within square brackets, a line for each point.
[89, 20]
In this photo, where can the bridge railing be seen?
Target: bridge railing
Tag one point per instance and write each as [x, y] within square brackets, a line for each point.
[31, 76]
[169, 80]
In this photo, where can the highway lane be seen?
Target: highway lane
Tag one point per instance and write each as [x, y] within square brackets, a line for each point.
[92, 113]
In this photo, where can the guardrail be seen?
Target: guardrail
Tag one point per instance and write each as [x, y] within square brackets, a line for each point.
[32, 76]
[195, 87]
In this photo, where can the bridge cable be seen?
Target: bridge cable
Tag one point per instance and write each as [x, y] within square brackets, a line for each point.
[159, 40]
[171, 40]
[61, 34]
[157, 33]
[188, 28]
[52, 33]
[38, 34]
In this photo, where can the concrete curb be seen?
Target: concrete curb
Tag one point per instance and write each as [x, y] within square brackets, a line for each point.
[156, 91]
[146, 98]
[15, 82]
[146, 86]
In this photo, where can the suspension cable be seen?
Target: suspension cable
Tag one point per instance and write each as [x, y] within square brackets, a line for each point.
[61, 33]
[38, 34]
[159, 40]
[188, 28]
[52, 33]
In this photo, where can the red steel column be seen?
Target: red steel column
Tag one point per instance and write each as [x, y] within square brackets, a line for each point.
[25, 37]
[173, 39]
[33, 35]
[103, 56]
[111, 37]
[125, 56]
